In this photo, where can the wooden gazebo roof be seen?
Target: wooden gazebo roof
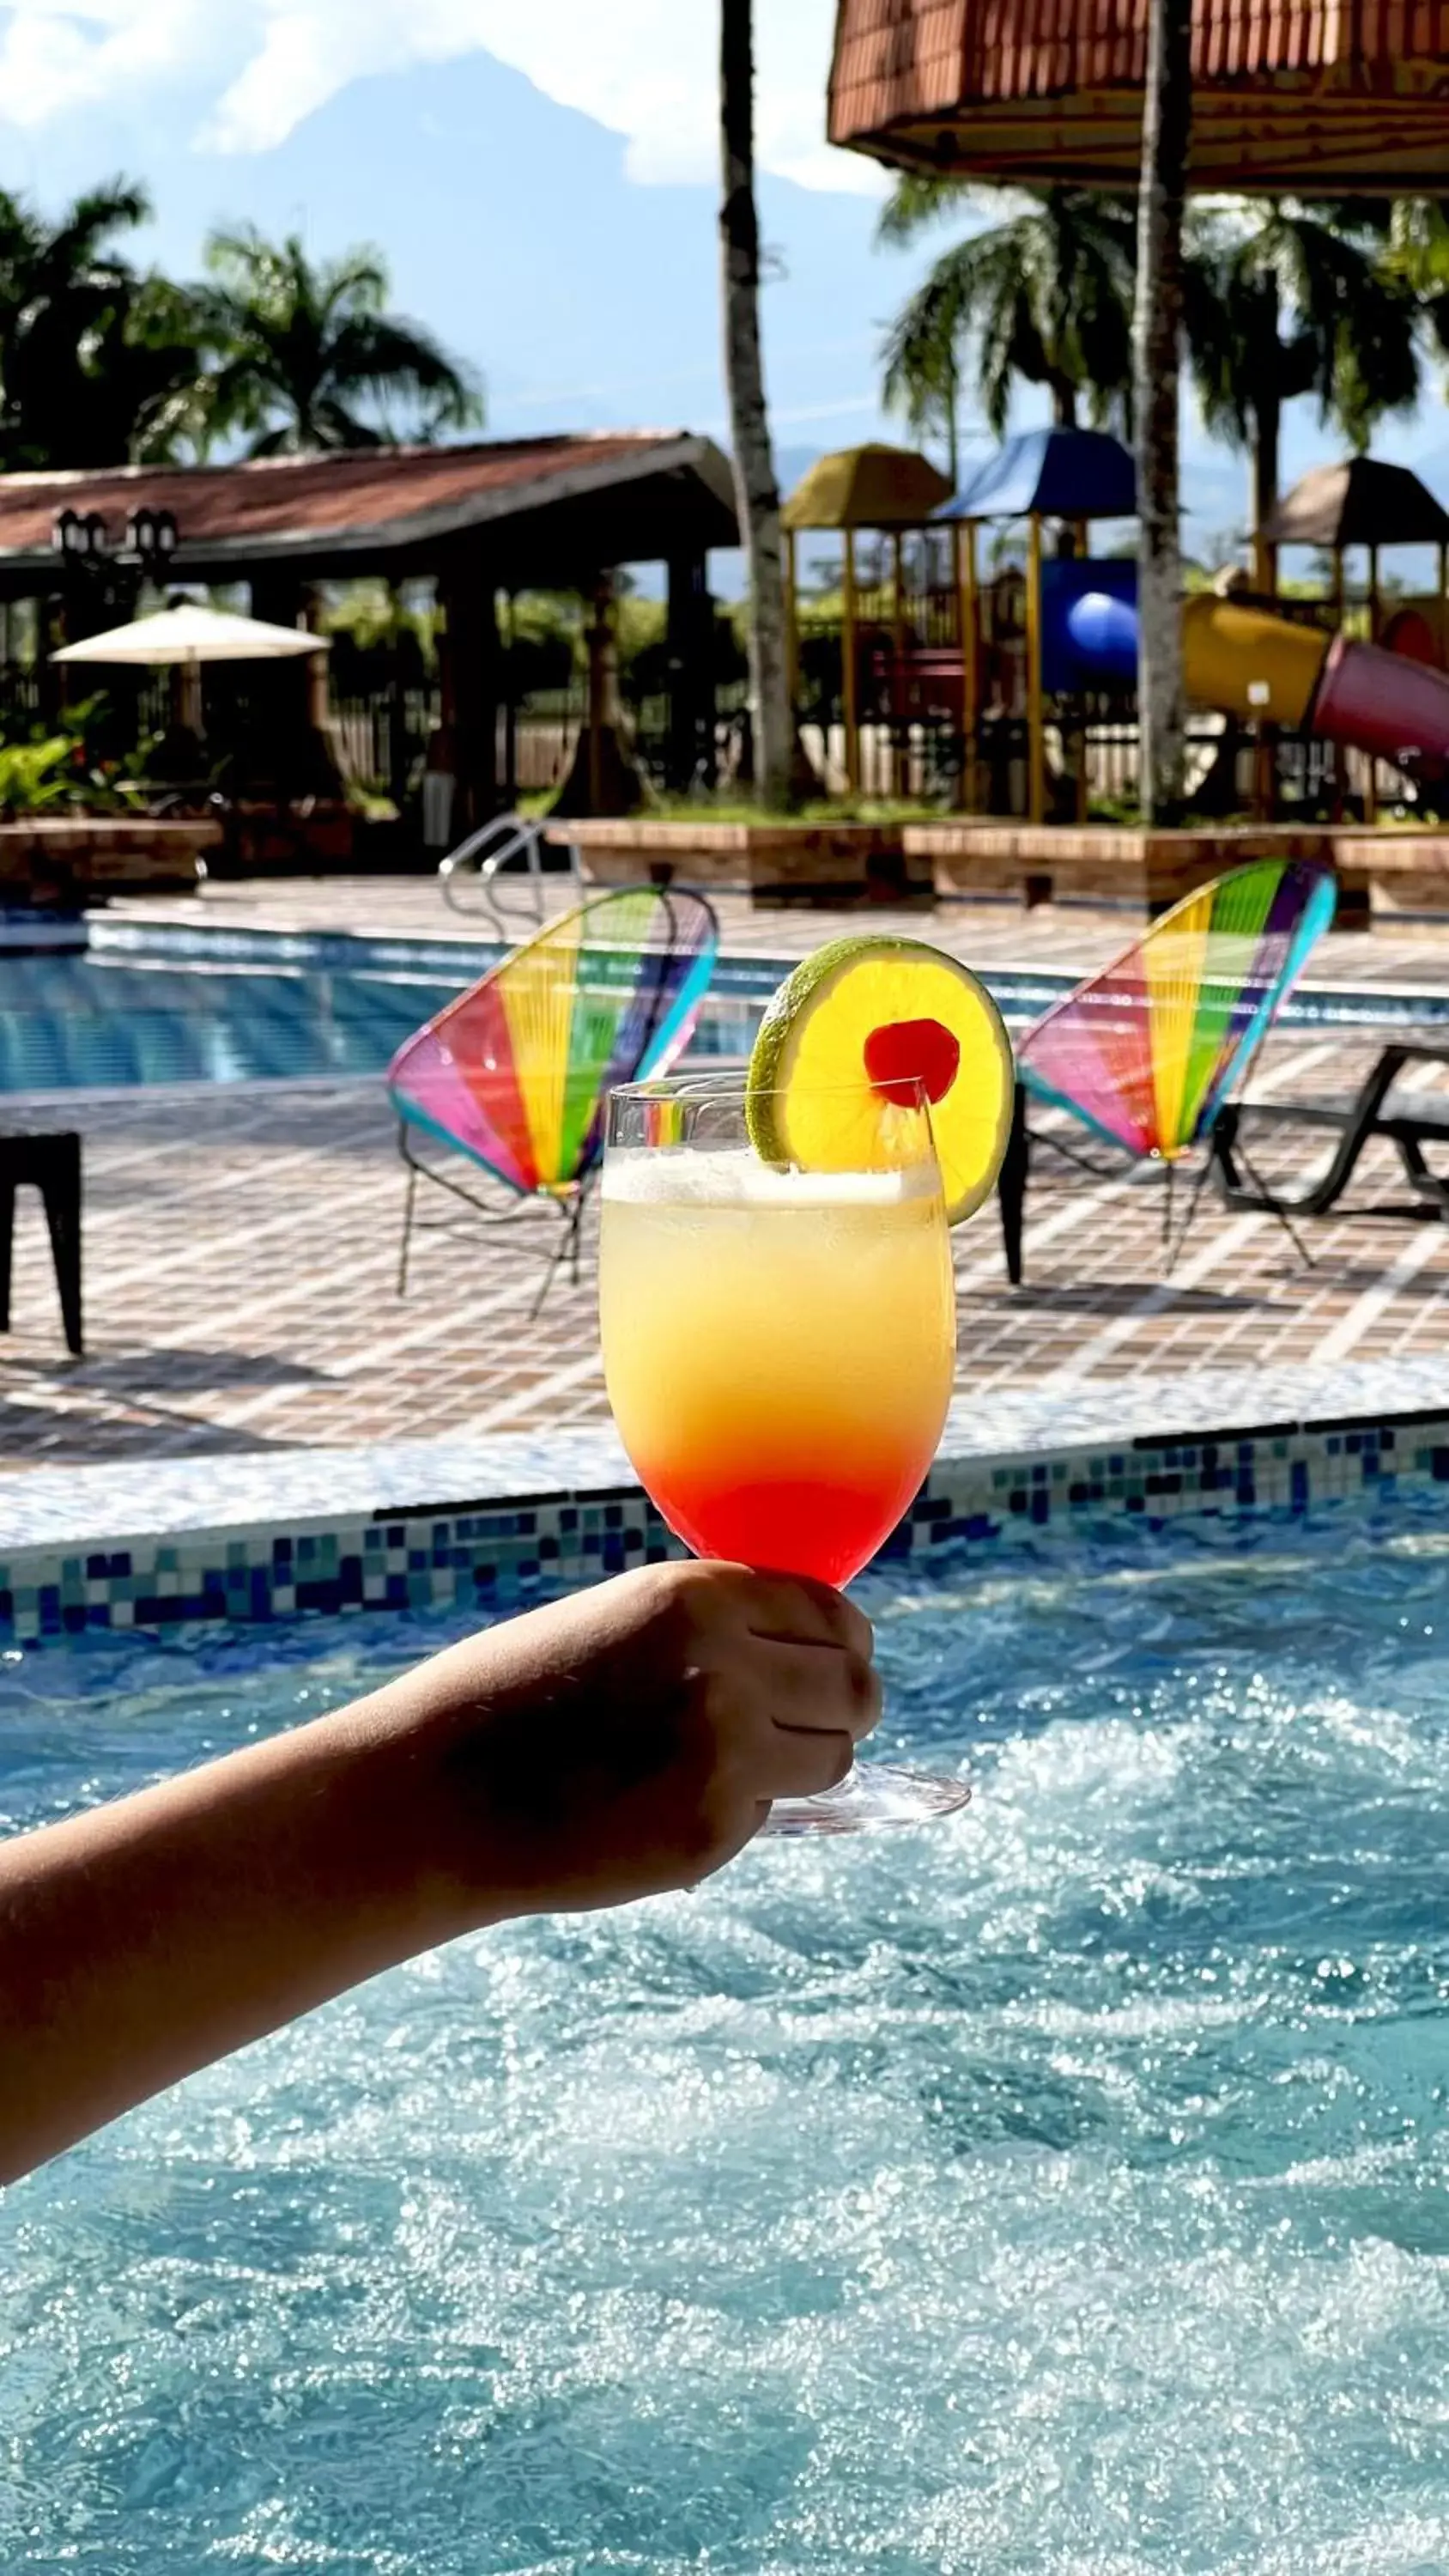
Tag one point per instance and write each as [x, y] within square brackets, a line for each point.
[1320, 97]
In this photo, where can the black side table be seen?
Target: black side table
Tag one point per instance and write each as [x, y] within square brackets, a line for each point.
[52, 1165]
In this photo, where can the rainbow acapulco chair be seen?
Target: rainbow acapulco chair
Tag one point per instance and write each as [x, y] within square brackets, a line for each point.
[1147, 1054]
[515, 1074]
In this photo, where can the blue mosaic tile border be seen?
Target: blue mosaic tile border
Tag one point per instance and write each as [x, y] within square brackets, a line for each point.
[495, 1555]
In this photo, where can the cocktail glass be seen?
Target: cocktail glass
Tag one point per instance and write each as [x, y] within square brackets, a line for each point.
[779, 1347]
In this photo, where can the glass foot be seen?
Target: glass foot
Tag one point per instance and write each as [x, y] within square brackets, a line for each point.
[875, 1795]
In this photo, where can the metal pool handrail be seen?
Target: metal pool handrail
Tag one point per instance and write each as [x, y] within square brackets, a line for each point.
[504, 844]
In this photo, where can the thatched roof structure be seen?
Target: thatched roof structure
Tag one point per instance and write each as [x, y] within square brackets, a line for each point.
[867, 487]
[1361, 503]
[1323, 97]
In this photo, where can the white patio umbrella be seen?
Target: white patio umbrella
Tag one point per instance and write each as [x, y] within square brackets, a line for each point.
[191, 636]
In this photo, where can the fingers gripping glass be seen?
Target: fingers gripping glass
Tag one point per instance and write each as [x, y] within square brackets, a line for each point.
[780, 1348]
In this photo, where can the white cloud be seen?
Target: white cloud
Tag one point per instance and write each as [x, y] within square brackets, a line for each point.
[645, 68]
[54, 57]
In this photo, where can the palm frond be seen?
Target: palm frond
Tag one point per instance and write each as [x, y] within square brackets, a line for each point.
[915, 203]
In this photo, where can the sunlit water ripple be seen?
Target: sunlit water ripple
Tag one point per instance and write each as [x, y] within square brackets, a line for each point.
[1060, 2190]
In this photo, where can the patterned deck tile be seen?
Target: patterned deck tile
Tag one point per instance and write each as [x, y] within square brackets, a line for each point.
[241, 1249]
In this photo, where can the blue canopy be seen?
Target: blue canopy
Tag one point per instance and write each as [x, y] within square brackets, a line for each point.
[1054, 474]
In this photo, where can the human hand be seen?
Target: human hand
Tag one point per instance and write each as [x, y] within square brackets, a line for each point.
[628, 1740]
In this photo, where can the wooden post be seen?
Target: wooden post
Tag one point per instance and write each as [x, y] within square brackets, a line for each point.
[849, 691]
[792, 623]
[1081, 541]
[510, 707]
[690, 652]
[1371, 790]
[1339, 756]
[190, 703]
[1035, 727]
[471, 690]
[598, 716]
[965, 533]
[900, 751]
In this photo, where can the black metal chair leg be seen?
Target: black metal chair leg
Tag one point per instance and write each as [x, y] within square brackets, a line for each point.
[402, 1273]
[1011, 1187]
[7, 1246]
[549, 1276]
[1177, 1245]
[1324, 1193]
[1277, 1208]
[61, 1192]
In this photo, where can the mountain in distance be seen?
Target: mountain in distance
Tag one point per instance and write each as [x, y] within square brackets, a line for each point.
[510, 227]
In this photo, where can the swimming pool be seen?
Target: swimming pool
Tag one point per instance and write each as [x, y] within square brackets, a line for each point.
[1058, 2192]
[102, 1020]
[147, 1004]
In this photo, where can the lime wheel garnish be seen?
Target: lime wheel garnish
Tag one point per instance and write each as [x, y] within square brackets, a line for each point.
[855, 1036]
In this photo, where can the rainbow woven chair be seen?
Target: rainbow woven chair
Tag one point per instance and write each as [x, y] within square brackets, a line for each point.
[1147, 1053]
[514, 1075]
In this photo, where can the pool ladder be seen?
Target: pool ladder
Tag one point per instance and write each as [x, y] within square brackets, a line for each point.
[503, 850]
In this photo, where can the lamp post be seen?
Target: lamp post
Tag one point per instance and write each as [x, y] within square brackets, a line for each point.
[152, 537]
[79, 538]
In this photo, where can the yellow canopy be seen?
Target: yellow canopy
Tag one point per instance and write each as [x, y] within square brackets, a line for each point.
[867, 487]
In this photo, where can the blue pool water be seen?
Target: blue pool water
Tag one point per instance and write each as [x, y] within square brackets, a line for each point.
[1061, 2191]
[83, 1022]
[122, 1014]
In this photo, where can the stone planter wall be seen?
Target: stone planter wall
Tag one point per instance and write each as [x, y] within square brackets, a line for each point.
[1043, 863]
[775, 863]
[61, 860]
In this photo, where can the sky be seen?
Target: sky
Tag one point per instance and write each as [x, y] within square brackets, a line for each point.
[643, 68]
[540, 175]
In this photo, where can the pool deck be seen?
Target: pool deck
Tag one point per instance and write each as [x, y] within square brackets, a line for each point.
[241, 1252]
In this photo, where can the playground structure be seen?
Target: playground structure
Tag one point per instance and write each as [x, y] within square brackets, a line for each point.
[1009, 680]
[893, 494]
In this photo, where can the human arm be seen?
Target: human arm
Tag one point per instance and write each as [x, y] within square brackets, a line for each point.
[608, 1747]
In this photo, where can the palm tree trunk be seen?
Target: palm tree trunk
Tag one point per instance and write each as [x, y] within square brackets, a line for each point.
[1267, 426]
[1157, 356]
[757, 492]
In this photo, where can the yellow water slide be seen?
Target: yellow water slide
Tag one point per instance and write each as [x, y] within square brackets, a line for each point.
[1266, 670]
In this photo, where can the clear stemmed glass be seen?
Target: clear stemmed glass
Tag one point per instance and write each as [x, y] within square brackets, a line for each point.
[779, 1347]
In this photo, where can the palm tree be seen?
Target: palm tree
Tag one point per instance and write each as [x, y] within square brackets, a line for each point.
[306, 354]
[1044, 298]
[1418, 254]
[97, 363]
[1289, 300]
[757, 491]
[1157, 367]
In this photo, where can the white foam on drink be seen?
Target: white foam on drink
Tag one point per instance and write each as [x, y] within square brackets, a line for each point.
[732, 1176]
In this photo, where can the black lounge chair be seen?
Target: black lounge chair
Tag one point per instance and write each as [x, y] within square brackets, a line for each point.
[1409, 1120]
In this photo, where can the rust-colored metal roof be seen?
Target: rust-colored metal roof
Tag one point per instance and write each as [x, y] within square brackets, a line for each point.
[377, 502]
[1316, 96]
